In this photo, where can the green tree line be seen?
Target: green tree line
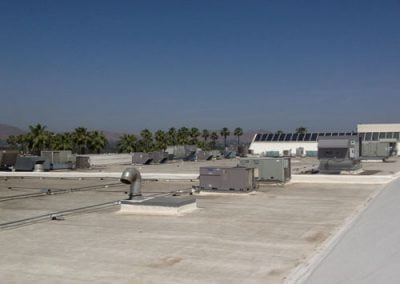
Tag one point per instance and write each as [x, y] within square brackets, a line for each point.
[82, 141]
[160, 140]
[39, 138]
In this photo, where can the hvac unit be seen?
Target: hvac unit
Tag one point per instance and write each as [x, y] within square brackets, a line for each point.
[216, 154]
[8, 159]
[82, 162]
[378, 150]
[141, 158]
[203, 155]
[182, 151]
[272, 154]
[300, 152]
[27, 163]
[236, 179]
[158, 157]
[269, 169]
[230, 154]
[311, 153]
[243, 150]
[59, 159]
[338, 153]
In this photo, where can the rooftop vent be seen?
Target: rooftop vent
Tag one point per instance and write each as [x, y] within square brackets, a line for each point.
[132, 176]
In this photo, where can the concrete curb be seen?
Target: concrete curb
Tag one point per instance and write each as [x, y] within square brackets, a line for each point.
[342, 179]
[114, 175]
[325, 179]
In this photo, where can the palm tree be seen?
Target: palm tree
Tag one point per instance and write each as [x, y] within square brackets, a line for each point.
[140, 146]
[183, 135]
[81, 139]
[97, 141]
[161, 140]
[147, 139]
[194, 133]
[17, 141]
[38, 138]
[214, 138]
[205, 134]
[127, 143]
[12, 140]
[238, 132]
[21, 140]
[301, 130]
[62, 141]
[225, 133]
[171, 136]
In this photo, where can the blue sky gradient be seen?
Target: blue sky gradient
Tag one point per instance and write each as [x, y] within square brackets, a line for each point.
[127, 65]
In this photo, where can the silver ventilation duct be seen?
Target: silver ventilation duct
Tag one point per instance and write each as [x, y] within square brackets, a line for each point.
[132, 176]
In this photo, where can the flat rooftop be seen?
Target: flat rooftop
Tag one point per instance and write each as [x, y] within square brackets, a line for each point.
[256, 238]
[299, 165]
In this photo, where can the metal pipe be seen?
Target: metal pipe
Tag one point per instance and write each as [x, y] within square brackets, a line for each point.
[54, 215]
[52, 191]
[132, 176]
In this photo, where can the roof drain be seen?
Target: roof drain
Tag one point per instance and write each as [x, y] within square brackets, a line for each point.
[132, 176]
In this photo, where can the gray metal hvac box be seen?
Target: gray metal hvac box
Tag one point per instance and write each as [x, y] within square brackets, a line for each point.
[59, 159]
[287, 153]
[158, 157]
[300, 152]
[8, 159]
[378, 150]
[311, 153]
[141, 158]
[338, 153]
[27, 163]
[269, 169]
[230, 154]
[216, 154]
[182, 151]
[243, 150]
[203, 155]
[272, 154]
[82, 162]
[237, 179]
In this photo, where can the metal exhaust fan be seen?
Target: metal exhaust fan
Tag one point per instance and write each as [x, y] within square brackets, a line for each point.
[132, 176]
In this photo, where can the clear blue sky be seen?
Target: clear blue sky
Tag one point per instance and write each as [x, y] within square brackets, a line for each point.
[129, 65]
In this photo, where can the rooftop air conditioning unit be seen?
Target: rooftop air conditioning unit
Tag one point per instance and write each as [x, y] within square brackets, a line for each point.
[338, 153]
[140, 158]
[269, 169]
[236, 179]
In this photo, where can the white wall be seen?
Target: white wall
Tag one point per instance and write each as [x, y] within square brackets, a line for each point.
[379, 127]
[261, 147]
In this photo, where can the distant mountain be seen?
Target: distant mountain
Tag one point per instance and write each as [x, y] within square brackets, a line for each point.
[112, 136]
[8, 130]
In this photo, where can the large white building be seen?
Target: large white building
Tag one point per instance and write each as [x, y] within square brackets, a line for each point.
[289, 143]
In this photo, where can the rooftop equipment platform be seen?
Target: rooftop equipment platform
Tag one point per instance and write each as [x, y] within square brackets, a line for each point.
[170, 204]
